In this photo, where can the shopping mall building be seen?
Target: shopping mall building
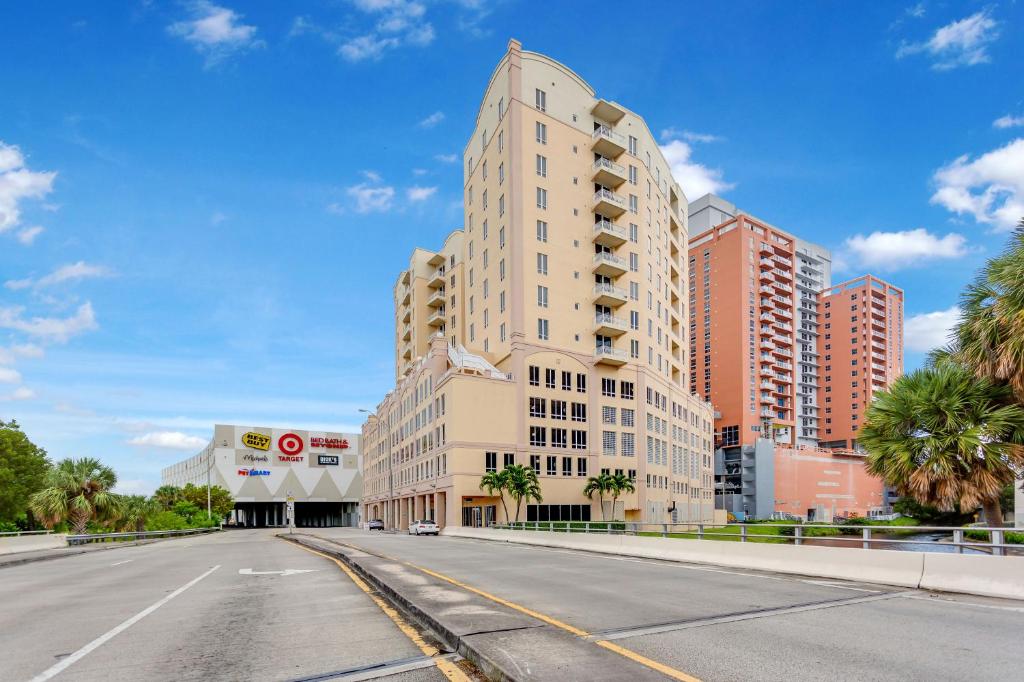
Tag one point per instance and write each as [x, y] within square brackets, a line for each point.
[263, 467]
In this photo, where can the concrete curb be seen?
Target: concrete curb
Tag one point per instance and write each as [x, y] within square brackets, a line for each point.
[445, 635]
[500, 642]
[988, 576]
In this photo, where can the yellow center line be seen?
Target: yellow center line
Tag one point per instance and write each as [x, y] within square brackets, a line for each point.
[622, 651]
[447, 668]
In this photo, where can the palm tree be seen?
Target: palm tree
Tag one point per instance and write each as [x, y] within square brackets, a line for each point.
[134, 510]
[522, 484]
[78, 491]
[945, 437]
[989, 337]
[600, 484]
[168, 495]
[620, 483]
[495, 482]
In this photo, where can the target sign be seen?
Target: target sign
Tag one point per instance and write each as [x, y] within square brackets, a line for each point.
[290, 444]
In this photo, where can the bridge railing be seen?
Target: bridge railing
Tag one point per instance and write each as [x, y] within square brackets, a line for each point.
[144, 535]
[851, 535]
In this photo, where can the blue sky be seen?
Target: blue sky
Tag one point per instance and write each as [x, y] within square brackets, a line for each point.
[203, 205]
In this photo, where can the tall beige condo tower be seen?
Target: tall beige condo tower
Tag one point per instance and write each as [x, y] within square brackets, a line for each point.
[549, 331]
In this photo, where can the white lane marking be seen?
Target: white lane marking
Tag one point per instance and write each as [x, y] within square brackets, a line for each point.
[118, 563]
[287, 571]
[826, 583]
[53, 671]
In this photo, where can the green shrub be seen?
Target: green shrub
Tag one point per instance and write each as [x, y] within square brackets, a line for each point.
[166, 520]
[1009, 537]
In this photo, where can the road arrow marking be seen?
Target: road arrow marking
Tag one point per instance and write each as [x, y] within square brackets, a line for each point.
[287, 571]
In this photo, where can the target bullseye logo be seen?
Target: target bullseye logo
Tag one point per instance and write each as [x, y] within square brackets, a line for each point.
[290, 444]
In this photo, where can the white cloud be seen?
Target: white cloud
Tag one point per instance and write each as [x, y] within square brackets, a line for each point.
[961, 43]
[446, 158]
[419, 171]
[895, 250]
[366, 47]
[9, 376]
[217, 218]
[917, 11]
[134, 486]
[29, 234]
[18, 183]
[420, 193]
[432, 120]
[215, 32]
[371, 199]
[926, 331]
[335, 208]
[676, 134]
[9, 355]
[695, 179]
[1008, 121]
[52, 329]
[172, 440]
[20, 393]
[398, 23]
[990, 188]
[66, 273]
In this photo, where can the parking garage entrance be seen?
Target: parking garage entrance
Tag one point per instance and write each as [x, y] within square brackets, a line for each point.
[307, 514]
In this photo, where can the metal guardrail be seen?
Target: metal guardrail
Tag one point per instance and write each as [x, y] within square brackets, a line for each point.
[25, 532]
[864, 536]
[145, 535]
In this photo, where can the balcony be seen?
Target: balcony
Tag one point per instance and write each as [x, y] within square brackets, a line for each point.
[406, 314]
[407, 350]
[767, 384]
[783, 287]
[609, 325]
[610, 295]
[767, 262]
[607, 172]
[607, 233]
[404, 294]
[406, 332]
[436, 298]
[607, 142]
[609, 356]
[436, 318]
[608, 203]
[436, 279]
[609, 264]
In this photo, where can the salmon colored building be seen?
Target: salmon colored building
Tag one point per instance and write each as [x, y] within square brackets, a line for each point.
[819, 484]
[743, 341]
[862, 346]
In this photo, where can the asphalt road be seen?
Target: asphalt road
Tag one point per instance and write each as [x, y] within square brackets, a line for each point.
[723, 624]
[222, 622]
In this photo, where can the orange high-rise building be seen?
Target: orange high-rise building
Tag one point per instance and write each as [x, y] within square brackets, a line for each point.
[862, 352]
[748, 334]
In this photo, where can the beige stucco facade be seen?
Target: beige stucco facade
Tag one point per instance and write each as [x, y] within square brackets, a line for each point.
[547, 332]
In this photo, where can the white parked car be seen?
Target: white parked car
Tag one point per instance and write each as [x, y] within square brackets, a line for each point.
[423, 528]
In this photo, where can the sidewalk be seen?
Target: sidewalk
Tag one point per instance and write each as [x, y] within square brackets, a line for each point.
[20, 558]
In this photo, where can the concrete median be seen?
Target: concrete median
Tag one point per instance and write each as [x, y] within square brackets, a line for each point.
[16, 544]
[990, 576]
[981, 575]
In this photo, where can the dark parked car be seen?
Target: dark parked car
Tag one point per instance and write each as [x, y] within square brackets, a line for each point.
[376, 524]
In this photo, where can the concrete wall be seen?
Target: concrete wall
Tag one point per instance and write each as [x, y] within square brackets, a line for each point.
[982, 575]
[30, 543]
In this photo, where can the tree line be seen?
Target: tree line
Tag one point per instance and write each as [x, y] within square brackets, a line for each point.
[951, 434]
[77, 495]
